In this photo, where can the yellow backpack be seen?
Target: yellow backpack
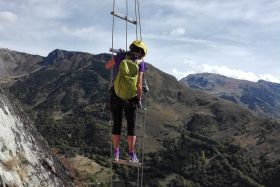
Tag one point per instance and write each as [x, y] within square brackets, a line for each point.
[125, 83]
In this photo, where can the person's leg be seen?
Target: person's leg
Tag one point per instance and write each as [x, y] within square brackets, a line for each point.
[116, 141]
[130, 113]
[131, 143]
[116, 109]
[117, 124]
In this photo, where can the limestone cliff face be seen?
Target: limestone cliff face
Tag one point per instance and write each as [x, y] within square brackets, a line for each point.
[25, 159]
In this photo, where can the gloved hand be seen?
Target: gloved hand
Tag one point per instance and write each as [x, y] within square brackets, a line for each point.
[121, 50]
[145, 89]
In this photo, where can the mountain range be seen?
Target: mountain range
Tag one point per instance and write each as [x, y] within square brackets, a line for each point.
[262, 97]
[14, 64]
[193, 138]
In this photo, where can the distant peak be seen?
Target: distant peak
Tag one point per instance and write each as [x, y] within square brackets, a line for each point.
[264, 82]
[4, 50]
[57, 52]
[60, 53]
[56, 55]
[208, 74]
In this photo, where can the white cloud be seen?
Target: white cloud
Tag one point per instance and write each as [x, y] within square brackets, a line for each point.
[234, 73]
[170, 38]
[179, 75]
[178, 32]
[82, 32]
[48, 9]
[234, 50]
[250, 11]
[270, 78]
[8, 17]
[194, 67]
[240, 34]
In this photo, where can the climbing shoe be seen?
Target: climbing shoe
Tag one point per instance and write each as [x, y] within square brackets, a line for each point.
[116, 155]
[133, 158]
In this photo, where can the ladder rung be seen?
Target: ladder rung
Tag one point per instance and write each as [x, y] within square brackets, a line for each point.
[125, 162]
[116, 50]
[124, 17]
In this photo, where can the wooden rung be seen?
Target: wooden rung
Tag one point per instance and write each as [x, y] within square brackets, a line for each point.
[125, 162]
[124, 17]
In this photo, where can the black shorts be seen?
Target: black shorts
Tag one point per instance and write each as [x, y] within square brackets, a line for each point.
[119, 105]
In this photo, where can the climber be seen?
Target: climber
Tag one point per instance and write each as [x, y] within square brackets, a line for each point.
[125, 94]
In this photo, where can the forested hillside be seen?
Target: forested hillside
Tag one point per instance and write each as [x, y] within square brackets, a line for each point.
[192, 138]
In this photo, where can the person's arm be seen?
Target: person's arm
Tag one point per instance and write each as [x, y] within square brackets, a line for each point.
[139, 85]
[110, 64]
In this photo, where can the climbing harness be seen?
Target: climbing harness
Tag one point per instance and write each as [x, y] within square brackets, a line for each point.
[141, 113]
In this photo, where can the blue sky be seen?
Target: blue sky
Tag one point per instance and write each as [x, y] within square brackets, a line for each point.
[239, 39]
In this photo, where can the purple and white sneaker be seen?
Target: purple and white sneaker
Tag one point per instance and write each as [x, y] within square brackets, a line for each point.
[116, 155]
[133, 158]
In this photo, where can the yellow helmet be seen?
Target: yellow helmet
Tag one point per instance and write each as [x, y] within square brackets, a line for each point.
[140, 45]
